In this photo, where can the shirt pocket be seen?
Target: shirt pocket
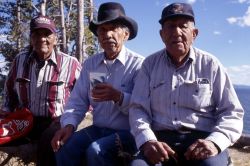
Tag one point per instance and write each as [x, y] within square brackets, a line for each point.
[22, 86]
[195, 96]
[22, 82]
[55, 90]
[159, 95]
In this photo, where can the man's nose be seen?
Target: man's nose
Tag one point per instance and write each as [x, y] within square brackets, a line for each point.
[108, 33]
[42, 38]
[177, 30]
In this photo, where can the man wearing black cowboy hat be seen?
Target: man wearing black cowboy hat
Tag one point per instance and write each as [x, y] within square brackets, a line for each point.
[106, 84]
[184, 109]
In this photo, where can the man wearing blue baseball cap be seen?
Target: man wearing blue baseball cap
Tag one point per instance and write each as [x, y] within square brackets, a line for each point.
[184, 108]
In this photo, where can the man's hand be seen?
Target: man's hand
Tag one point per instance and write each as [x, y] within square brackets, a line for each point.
[105, 92]
[201, 149]
[61, 136]
[157, 152]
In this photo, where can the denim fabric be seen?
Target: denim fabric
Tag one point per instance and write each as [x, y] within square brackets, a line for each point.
[97, 147]
[179, 143]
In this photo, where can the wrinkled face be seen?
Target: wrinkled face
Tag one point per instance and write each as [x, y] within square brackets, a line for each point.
[43, 42]
[112, 37]
[178, 35]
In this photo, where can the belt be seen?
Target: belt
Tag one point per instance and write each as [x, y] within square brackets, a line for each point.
[184, 130]
[181, 130]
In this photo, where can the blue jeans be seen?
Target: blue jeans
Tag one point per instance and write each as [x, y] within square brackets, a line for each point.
[97, 147]
[179, 143]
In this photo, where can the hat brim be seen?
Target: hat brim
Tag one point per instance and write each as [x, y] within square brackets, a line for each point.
[43, 27]
[130, 23]
[161, 21]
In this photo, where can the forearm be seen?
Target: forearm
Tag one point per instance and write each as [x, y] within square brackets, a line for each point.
[140, 126]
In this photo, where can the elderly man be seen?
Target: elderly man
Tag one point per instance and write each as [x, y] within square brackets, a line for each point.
[184, 108]
[106, 84]
[41, 80]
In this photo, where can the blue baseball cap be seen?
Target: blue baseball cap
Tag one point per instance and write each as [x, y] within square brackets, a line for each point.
[176, 10]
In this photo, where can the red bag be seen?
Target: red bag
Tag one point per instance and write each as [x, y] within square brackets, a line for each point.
[15, 125]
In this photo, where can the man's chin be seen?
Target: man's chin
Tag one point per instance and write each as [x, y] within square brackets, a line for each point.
[42, 52]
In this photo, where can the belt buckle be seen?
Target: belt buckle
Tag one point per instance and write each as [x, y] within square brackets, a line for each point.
[184, 130]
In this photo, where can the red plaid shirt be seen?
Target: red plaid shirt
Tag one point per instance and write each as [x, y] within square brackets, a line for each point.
[43, 89]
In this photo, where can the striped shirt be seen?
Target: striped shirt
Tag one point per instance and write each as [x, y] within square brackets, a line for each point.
[198, 95]
[43, 88]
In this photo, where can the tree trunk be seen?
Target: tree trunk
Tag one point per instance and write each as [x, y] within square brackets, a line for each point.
[43, 7]
[91, 10]
[64, 47]
[80, 15]
[19, 23]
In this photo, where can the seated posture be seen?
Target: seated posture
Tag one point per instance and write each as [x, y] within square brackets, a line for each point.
[41, 80]
[184, 109]
[106, 83]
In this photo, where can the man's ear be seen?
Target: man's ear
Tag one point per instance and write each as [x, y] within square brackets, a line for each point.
[195, 33]
[126, 36]
[31, 41]
[162, 35]
[56, 39]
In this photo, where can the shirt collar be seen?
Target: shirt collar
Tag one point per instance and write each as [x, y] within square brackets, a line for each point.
[121, 56]
[191, 55]
[31, 57]
[52, 58]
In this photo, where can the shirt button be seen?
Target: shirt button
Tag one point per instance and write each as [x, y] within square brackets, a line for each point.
[174, 103]
[175, 119]
[175, 87]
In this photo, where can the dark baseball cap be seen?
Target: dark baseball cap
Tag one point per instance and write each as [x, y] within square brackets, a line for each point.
[177, 9]
[42, 22]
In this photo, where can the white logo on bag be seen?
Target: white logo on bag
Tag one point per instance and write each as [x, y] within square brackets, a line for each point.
[21, 125]
[7, 129]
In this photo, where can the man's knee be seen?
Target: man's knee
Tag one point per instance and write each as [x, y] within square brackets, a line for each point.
[138, 162]
[93, 150]
[222, 159]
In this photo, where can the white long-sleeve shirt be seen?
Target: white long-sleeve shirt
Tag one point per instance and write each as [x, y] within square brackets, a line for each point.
[198, 95]
[121, 75]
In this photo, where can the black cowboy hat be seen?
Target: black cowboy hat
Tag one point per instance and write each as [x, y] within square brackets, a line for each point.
[114, 12]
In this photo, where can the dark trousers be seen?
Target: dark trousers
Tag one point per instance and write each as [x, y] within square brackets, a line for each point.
[45, 153]
[42, 132]
[179, 142]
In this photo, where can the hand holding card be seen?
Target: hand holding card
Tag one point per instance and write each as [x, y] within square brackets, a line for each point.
[95, 79]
